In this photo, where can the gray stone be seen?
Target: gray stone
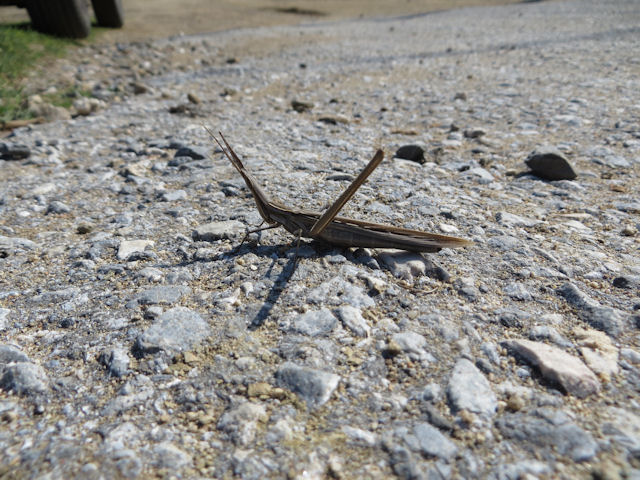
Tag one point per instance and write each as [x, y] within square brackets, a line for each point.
[550, 431]
[13, 151]
[432, 443]
[176, 330]
[11, 354]
[314, 386]
[413, 345]
[511, 220]
[338, 291]
[162, 295]
[128, 247]
[405, 265]
[517, 291]
[170, 457]
[479, 174]
[468, 389]
[24, 378]
[414, 153]
[210, 232]
[550, 165]
[58, 207]
[557, 366]
[352, 319]
[627, 281]
[117, 362]
[315, 323]
[16, 243]
[603, 318]
[623, 426]
[4, 318]
[197, 153]
[240, 422]
[173, 195]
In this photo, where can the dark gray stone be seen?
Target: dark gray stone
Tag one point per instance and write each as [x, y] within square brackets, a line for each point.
[550, 431]
[197, 153]
[314, 386]
[603, 318]
[550, 165]
[14, 151]
[414, 153]
[176, 330]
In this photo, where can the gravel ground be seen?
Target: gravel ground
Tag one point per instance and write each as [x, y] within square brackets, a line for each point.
[138, 341]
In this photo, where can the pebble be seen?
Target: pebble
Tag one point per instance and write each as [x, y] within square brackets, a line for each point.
[603, 318]
[128, 247]
[176, 330]
[413, 345]
[314, 386]
[547, 429]
[195, 153]
[315, 323]
[557, 366]
[11, 354]
[430, 442]
[210, 232]
[4, 318]
[414, 153]
[241, 422]
[550, 165]
[13, 151]
[405, 265]
[161, 295]
[468, 389]
[352, 319]
[24, 378]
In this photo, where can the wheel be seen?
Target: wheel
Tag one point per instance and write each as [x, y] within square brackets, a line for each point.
[108, 13]
[65, 18]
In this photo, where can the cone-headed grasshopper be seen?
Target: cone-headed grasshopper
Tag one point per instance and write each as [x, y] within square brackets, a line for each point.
[334, 230]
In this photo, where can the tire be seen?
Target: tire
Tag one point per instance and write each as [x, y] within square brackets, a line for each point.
[108, 13]
[64, 18]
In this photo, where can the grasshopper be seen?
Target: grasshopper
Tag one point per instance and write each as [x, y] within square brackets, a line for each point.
[334, 230]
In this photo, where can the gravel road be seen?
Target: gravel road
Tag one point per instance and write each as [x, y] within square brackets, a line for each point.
[138, 340]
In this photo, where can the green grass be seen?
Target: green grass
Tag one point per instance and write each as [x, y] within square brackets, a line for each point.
[21, 50]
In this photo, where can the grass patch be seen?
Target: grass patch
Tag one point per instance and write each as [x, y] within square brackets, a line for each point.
[21, 50]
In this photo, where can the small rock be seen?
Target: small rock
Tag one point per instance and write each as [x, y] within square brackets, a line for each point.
[314, 386]
[24, 378]
[210, 232]
[479, 174]
[4, 317]
[510, 220]
[240, 422]
[549, 429]
[14, 151]
[58, 207]
[413, 345]
[360, 436]
[170, 457]
[117, 362]
[351, 318]
[599, 352]
[193, 98]
[517, 291]
[127, 247]
[195, 153]
[176, 330]
[468, 389]
[162, 295]
[11, 354]
[550, 165]
[300, 106]
[431, 442]
[315, 323]
[627, 281]
[405, 265]
[414, 153]
[557, 366]
[603, 318]
[173, 195]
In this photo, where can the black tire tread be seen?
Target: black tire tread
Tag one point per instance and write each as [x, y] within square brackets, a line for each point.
[108, 13]
[66, 18]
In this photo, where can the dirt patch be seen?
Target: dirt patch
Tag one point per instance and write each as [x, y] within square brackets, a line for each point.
[163, 18]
